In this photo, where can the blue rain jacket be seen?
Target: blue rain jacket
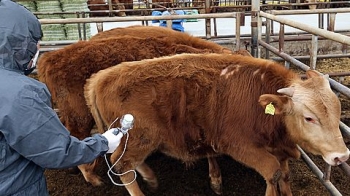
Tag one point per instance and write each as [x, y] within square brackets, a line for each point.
[32, 137]
[177, 24]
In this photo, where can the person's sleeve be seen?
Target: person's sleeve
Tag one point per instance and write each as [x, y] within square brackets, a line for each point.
[38, 135]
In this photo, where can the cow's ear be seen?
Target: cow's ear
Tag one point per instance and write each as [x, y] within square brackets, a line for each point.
[275, 104]
[312, 73]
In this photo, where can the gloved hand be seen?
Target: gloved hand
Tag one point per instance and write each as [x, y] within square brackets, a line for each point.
[113, 140]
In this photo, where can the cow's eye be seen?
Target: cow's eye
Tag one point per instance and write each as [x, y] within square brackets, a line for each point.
[309, 119]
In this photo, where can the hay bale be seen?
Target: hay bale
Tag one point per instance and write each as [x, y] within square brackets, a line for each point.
[53, 32]
[49, 6]
[72, 31]
[74, 6]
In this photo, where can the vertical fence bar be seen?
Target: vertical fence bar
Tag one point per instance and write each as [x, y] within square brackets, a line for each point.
[215, 27]
[254, 28]
[331, 22]
[267, 37]
[346, 168]
[239, 16]
[169, 24]
[321, 20]
[344, 48]
[207, 20]
[287, 64]
[79, 27]
[110, 7]
[327, 172]
[84, 26]
[313, 51]
[281, 38]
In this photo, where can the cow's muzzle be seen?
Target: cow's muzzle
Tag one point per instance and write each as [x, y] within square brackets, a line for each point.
[335, 159]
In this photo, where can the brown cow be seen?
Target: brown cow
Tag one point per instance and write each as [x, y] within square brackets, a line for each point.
[128, 4]
[193, 106]
[97, 6]
[64, 71]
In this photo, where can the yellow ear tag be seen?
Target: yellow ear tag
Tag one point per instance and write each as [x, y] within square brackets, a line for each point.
[270, 109]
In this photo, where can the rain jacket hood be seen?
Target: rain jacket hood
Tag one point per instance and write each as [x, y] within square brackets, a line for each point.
[19, 35]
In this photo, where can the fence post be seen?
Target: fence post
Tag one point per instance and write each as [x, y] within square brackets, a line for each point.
[255, 28]
[267, 37]
[239, 17]
[313, 51]
[207, 20]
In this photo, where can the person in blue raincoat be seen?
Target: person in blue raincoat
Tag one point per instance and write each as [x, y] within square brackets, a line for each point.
[32, 137]
[176, 24]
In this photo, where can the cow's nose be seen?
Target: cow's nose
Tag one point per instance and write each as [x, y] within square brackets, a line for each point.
[342, 158]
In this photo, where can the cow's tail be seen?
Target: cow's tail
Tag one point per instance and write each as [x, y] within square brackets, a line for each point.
[41, 68]
[90, 97]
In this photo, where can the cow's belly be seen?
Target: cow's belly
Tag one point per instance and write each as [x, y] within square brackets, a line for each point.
[188, 153]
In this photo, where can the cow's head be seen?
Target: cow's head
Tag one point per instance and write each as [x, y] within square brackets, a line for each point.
[312, 115]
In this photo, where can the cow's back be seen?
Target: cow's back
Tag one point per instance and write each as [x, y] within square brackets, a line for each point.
[155, 31]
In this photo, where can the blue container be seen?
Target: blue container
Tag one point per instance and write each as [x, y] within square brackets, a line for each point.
[156, 13]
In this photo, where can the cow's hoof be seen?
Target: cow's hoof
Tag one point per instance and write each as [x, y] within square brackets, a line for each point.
[217, 188]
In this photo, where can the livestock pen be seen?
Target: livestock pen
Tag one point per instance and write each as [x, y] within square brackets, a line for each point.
[260, 43]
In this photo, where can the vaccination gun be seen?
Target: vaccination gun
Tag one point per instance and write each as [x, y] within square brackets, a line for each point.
[126, 123]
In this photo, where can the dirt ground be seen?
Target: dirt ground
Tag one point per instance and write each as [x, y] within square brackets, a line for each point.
[177, 180]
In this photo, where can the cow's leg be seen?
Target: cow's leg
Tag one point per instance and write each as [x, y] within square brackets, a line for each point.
[283, 155]
[215, 176]
[284, 183]
[76, 117]
[148, 175]
[128, 178]
[263, 162]
[133, 160]
[88, 171]
[79, 121]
